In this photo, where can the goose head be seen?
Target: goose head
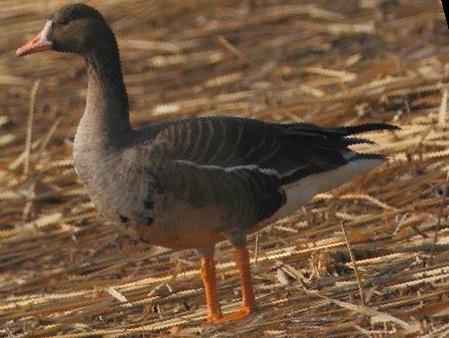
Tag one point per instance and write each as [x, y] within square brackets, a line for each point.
[76, 28]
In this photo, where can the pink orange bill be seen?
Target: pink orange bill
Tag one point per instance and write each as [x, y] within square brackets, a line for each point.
[38, 44]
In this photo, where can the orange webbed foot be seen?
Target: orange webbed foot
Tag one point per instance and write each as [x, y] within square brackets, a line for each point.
[244, 312]
[212, 319]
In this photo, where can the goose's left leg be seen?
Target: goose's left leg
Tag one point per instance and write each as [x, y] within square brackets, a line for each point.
[210, 284]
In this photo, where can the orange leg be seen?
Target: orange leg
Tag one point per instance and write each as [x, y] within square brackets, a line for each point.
[248, 300]
[210, 288]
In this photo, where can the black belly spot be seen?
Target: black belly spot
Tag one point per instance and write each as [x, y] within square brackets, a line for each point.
[150, 220]
[123, 219]
[148, 204]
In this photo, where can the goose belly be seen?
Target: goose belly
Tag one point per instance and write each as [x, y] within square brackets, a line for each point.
[178, 225]
[123, 196]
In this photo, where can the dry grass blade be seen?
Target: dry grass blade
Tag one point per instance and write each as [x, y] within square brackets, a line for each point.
[443, 110]
[443, 204]
[375, 315]
[354, 263]
[29, 134]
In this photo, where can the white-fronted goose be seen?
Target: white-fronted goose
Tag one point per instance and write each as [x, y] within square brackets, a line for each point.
[193, 182]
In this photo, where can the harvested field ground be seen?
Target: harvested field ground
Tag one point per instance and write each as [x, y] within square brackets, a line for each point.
[65, 271]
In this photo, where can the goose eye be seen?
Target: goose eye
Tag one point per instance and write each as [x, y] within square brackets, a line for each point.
[64, 21]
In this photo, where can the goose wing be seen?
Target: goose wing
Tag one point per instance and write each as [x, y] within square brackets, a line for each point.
[293, 150]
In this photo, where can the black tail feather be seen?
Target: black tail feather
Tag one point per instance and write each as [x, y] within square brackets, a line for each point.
[357, 140]
[311, 129]
[364, 128]
[361, 156]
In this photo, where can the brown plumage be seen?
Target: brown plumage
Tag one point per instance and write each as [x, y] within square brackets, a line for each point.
[192, 182]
